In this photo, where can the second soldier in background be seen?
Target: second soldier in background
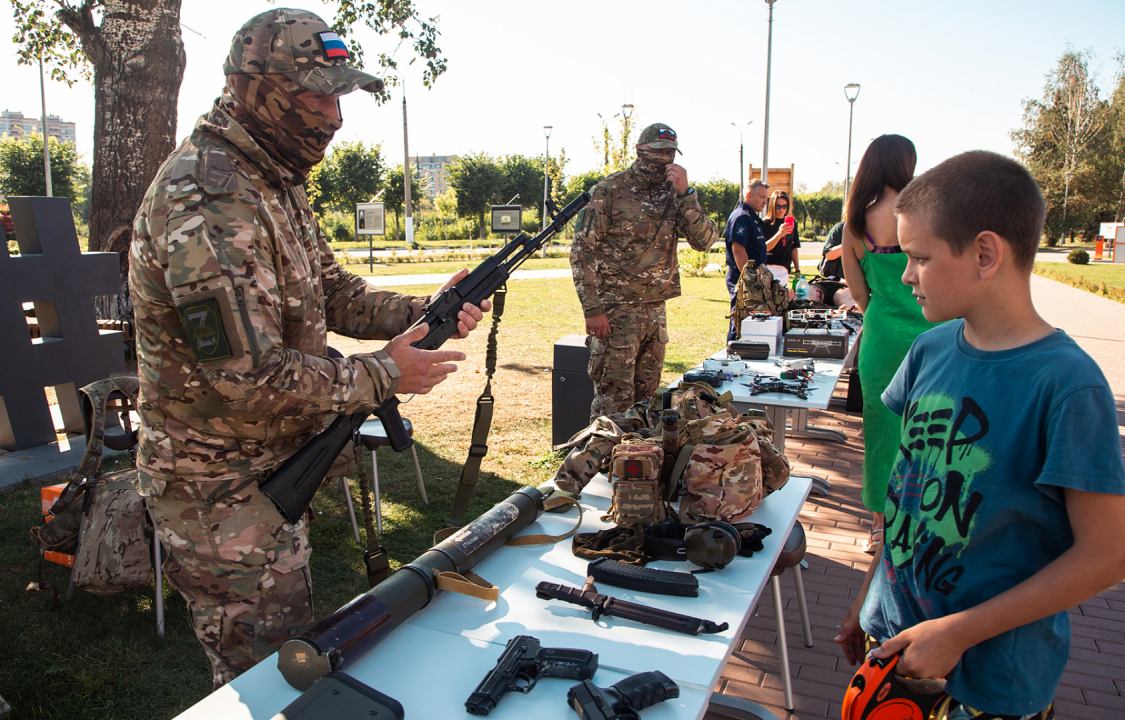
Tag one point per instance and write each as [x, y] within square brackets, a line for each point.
[625, 267]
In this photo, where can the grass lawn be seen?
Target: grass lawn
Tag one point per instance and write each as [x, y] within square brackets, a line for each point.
[100, 657]
[1100, 279]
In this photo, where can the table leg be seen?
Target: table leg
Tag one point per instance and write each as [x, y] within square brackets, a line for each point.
[737, 708]
[801, 428]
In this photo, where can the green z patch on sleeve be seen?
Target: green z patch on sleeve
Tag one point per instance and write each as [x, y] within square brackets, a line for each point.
[204, 327]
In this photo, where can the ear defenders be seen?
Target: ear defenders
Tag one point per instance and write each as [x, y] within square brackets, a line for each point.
[876, 693]
[712, 544]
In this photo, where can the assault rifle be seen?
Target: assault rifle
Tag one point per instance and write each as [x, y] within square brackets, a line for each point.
[292, 485]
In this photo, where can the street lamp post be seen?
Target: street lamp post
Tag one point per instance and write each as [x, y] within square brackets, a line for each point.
[851, 92]
[407, 176]
[766, 129]
[46, 145]
[546, 182]
[741, 161]
[627, 113]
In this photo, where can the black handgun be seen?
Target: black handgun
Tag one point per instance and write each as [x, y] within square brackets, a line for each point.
[623, 700]
[521, 666]
[292, 485]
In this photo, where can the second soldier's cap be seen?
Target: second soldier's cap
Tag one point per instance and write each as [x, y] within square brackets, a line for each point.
[301, 46]
[660, 137]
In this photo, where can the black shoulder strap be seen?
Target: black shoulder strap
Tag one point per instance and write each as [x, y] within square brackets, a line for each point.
[482, 423]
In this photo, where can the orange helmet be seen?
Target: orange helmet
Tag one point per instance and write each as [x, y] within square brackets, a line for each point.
[876, 693]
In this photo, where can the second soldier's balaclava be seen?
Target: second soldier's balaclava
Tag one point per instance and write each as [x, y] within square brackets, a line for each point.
[295, 135]
[653, 164]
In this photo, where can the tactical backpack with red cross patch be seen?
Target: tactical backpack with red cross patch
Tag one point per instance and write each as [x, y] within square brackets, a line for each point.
[634, 476]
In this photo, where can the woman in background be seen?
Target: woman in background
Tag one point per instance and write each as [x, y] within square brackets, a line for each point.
[874, 264]
[781, 242]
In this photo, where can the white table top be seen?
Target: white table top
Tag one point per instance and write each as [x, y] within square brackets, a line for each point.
[435, 659]
[819, 392]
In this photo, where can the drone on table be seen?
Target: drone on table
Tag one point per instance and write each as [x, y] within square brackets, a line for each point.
[761, 385]
[797, 369]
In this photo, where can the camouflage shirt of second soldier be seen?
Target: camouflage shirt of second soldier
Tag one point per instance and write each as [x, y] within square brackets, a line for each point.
[235, 289]
[624, 250]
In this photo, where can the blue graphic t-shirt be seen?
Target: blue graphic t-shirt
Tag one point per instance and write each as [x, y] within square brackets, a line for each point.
[975, 502]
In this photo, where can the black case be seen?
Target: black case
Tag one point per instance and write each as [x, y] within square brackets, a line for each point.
[747, 350]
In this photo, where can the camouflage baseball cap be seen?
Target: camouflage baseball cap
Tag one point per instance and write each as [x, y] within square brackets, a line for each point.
[301, 46]
[659, 136]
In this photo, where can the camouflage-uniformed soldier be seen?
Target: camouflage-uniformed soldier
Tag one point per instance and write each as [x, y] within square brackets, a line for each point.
[235, 288]
[625, 267]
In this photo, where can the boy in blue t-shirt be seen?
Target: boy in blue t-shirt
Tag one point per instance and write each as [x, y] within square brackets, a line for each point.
[1007, 500]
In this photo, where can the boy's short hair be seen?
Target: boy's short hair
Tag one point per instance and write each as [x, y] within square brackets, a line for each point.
[978, 191]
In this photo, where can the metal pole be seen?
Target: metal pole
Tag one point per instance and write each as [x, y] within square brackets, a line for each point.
[406, 174]
[1066, 195]
[46, 145]
[741, 169]
[848, 169]
[766, 130]
[546, 184]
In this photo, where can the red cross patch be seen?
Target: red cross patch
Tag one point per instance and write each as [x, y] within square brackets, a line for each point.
[633, 469]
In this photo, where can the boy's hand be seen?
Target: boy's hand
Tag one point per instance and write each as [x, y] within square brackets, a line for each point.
[930, 649]
[852, 638]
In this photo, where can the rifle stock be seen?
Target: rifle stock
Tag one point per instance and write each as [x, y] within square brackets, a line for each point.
[292, 485]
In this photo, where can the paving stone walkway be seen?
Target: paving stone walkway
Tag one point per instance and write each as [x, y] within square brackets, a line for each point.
[1093, 687]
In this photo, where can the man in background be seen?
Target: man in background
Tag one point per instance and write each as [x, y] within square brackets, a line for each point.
[745, 239]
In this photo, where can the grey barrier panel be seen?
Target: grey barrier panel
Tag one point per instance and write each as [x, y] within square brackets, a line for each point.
[61, 281]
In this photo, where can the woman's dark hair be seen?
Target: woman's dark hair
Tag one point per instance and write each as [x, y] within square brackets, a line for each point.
[778, 195]
[888, 161]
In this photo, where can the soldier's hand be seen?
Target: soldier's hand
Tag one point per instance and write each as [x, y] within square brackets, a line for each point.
[678, 177]
[470, 314]
[421, 369]
[598, 326]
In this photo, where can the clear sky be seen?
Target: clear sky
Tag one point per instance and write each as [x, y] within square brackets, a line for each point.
[950, 75]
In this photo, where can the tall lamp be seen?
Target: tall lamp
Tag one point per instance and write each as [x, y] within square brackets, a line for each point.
[766, 129]
[741, 161]
[851, 92]
[546, 182]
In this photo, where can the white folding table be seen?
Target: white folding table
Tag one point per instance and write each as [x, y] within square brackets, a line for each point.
[433, 661]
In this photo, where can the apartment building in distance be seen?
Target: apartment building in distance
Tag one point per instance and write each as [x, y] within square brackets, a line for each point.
[14, 124]
[432, 171]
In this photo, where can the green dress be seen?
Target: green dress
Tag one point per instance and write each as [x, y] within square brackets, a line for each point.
[892, 321]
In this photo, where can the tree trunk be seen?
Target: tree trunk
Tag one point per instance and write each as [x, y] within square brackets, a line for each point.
[138, 59]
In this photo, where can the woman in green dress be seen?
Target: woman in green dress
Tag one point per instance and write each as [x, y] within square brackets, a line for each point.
[873, 265]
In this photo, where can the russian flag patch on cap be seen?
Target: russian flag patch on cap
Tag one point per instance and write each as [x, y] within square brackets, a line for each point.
[333, 46]
[666, 134]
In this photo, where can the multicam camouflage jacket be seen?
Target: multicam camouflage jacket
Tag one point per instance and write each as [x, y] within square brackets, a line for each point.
[624, 250]
[235, 288]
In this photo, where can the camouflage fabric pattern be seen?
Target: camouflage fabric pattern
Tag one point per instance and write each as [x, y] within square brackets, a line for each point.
[590, 449]
[625, 367]
[775, 466]
[114, 556]
[634, 477]
[223, 229]
[241, 568]
[723, 479]
[758, 291]
[624, 249]
[289, 41]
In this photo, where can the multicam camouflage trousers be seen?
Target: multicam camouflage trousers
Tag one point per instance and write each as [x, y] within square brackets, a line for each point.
[626, 366]
[241, 568]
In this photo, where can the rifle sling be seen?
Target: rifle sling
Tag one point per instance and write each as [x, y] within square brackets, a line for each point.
[375, 558]
[482, 423]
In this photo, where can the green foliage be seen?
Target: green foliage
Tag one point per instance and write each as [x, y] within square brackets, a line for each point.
[616, 149]
[352, 173]
[818, 210]
[718, 197]
[693, 263]
[1078, 256]
[579, 184]
[1073, 134]
[523, 176]
[21, 167]
[395, 196]
[338, 227]
[476, 179]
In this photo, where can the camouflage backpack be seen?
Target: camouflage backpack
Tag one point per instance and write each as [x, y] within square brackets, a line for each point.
[720, 461]
[102, 520]
[758, 291]
[634, 476]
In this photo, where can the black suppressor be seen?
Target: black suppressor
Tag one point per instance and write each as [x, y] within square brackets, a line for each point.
[625, 699]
